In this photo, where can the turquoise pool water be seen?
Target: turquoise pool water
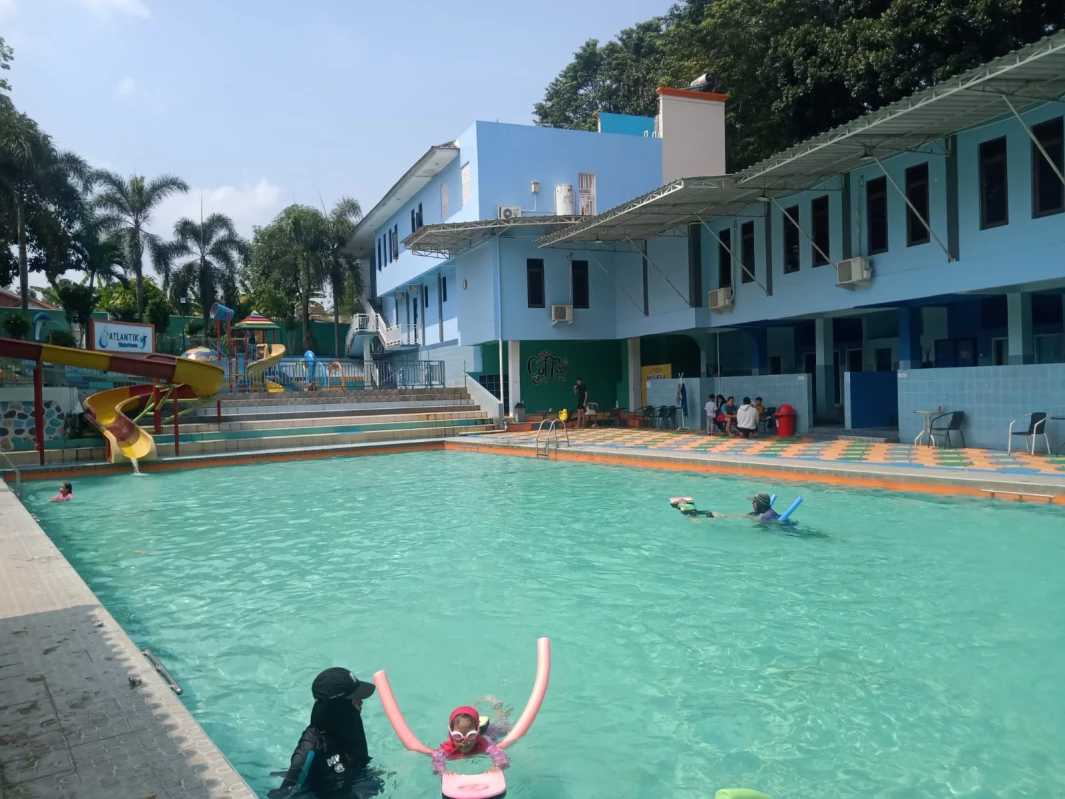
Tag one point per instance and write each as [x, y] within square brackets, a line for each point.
[901, 646]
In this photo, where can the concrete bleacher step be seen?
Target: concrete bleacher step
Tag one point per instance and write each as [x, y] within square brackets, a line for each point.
[334, 397]
[281, 412]
[252, 445]
[265, 426]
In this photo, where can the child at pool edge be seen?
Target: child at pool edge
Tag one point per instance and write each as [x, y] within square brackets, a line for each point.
[465, 739]
[66, 491]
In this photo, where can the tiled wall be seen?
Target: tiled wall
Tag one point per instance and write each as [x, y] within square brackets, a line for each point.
[17, 430]
[990, 396]
[775, 390]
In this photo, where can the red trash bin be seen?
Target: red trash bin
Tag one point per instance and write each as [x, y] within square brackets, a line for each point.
[785, 417]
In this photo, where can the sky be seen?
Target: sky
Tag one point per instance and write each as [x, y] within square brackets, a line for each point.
[261, 103]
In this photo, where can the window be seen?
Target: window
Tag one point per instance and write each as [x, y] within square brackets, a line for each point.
[467, 184]
[791, 239]
[443, 289]
[917, 194]
[395, 241]
[994, 190]
[724, 259]
[747, 252]
[579, 276]
[1048, 194]
[444, 213]
[821, 230]
[876, 208]
[413, 221]
[586, 193]
[419, 217]
[534, 271]
[379, 255]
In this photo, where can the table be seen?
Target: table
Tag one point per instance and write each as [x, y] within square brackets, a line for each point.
[927, 431]
[1062, 444]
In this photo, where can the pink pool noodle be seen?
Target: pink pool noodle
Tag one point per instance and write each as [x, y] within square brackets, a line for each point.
[388, 702]
[543, 674]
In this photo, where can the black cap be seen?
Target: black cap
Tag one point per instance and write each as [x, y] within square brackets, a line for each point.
[339, 683]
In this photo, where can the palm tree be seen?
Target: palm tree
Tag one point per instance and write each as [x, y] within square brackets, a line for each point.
[128, 206]
[102, 256]
[37, 184]
[341, 265]
[215, 254]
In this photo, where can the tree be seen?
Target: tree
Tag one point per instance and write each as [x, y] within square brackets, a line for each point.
[78, 302]
[16, 324]
[287, 261]
[341, 267]
[40, 200]
[159, 315]
[215, 253]
[100, 256]
[793, 69]
[128, 206]
[119, 300]
[7, 55]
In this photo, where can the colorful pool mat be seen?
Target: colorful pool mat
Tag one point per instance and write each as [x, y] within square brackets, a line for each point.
[813, 450]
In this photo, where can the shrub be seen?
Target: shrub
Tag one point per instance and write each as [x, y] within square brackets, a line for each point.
[63, 338]
[16, 324]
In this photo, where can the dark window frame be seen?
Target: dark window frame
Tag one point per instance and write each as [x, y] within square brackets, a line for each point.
[395, 240]
[985, 161]
[413, 221]
[1041, 169]
[819, 207]
[791, 232]
[379, 264]
[876, 190]
[419, 215]
[747, 253]
[443, 288]
[534, 268]
[918, 185]
[576, 268]
[724, 258]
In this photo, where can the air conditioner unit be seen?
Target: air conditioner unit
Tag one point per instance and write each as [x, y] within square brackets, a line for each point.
[851, 272]
[509, 211]
[561, 313]
[721, 300]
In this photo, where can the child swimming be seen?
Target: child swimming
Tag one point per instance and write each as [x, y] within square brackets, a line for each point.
[686, 505]
[466, 739]
[66, 492]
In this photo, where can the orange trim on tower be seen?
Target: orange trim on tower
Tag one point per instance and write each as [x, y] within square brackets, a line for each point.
[665, 91]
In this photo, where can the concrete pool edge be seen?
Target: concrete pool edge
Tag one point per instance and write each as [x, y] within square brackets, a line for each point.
[894, 478]
[82, 712]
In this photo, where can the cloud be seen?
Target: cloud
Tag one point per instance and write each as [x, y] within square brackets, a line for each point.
[127, 87]
[248, 205]
[106, 8]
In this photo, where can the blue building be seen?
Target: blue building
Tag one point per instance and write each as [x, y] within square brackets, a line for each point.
[908, 261]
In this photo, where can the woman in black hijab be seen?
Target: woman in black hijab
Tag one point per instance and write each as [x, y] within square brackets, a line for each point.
[331, 758]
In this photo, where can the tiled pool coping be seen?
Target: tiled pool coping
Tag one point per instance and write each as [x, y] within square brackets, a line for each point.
[72, 724]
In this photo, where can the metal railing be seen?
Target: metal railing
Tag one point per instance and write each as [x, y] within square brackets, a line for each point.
[18, 474]
[551, 437]
[329, 375]
[407, 374]
[391, 336]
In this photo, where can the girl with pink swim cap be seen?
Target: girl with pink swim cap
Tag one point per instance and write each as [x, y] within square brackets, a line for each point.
[466, 739]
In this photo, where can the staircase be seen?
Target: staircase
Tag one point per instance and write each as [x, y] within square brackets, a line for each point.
[370, 324]
[255, 422]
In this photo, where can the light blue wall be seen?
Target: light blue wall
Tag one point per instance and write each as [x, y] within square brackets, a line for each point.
[990, 396]
[477, 302]
[510, 157]
[597, 321]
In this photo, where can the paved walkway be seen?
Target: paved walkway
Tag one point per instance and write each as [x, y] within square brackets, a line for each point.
[82, 713]
[805, 449]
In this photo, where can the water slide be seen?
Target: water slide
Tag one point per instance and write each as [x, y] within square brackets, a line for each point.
[106, 409]
[274, 354]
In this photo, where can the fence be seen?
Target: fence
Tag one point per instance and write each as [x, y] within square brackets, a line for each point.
[407, 373]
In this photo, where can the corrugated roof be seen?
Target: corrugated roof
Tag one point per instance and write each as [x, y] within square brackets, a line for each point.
[444, 240]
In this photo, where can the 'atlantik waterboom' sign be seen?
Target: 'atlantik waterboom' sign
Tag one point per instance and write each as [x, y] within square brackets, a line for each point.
[129, 338]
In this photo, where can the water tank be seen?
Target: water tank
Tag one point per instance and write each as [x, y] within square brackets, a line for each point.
[564, 202]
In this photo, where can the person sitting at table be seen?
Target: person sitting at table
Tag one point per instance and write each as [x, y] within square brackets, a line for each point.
[747, 419]
[730, 416]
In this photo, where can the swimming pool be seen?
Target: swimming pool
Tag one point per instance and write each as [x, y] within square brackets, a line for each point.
[900, 646]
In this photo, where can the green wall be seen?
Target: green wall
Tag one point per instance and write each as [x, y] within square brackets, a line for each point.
[556, 365]
[680, 351]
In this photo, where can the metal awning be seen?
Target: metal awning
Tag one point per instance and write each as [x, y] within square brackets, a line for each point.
[447, 239]
[1031, 75]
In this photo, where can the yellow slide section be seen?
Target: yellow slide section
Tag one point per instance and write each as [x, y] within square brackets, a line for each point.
[105, 410]
[273, 353]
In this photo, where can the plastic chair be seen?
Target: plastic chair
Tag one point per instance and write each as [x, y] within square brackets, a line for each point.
[613, 418]
[953, 424]
[1037, 423]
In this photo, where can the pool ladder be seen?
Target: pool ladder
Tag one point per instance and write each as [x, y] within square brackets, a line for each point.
[550, 436]
[18, 474]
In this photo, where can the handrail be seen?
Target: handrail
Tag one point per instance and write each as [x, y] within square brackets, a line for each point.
[552, 436]
[18, 474]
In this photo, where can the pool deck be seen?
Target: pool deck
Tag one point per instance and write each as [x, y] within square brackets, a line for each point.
[83, 715]
[898, 467]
